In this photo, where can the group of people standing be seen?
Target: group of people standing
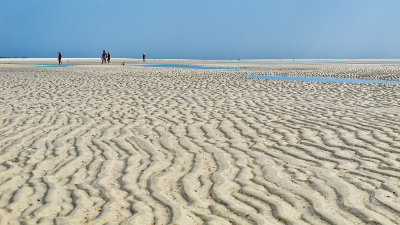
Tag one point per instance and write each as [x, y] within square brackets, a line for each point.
[105, 57]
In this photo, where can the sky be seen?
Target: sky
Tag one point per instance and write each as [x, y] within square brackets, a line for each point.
[202, 29]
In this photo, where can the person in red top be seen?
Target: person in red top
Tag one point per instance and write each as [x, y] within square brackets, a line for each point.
[59, 58]
[108, 57]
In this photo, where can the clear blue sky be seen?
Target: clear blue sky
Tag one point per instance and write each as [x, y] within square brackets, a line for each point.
[202, 29]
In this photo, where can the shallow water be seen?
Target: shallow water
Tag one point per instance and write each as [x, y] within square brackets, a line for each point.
[324, 79]
[343, 62]
[319, 62]
[285, 62]
[188, 66]
[52, 65]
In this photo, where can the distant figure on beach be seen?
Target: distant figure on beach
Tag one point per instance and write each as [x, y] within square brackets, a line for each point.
[59, 58]
[108, 57]
[144, 57]
[103, 57]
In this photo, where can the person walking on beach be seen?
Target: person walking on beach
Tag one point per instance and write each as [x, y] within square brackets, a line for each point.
[144, 57]
[108, 57]
[59, 58]
[103, 57]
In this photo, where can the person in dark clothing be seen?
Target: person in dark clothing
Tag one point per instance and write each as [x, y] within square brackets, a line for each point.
[108, 57]
[144, 57]
[103, 57]
[59, 58]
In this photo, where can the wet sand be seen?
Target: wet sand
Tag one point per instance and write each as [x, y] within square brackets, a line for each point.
[113, 144]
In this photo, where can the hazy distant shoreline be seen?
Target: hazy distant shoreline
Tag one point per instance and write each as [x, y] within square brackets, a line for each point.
[5, 60]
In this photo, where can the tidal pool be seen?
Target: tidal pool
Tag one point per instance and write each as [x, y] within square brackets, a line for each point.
[316, 62]
[324, 79]
[189, 67]
[52, 65]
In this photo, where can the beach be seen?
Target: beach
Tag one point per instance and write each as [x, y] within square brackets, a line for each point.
[127, 144]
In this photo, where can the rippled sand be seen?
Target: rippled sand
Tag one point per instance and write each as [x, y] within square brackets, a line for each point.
[131, 145]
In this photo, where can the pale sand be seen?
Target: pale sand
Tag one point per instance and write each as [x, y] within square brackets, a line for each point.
[131, 145]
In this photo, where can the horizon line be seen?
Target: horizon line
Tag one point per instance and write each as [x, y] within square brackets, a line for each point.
[26, 58]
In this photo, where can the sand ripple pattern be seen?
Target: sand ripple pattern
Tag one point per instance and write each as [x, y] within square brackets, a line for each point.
[128, 145]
